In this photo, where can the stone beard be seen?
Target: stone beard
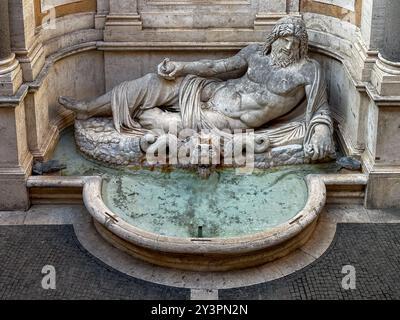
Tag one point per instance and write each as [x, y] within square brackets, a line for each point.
[281, 58]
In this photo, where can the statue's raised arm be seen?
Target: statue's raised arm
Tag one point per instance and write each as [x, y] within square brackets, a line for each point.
[171, 70]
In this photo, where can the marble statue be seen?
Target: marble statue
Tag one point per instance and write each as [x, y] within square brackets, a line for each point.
[277, 90]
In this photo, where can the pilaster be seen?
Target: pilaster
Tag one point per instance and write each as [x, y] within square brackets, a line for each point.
[25, 43]
[271, 11]
[123, 18]
[382, 160]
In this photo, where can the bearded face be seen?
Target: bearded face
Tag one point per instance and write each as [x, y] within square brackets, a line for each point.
[285, 51]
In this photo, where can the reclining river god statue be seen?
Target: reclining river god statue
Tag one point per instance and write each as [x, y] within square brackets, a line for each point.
[277, 90]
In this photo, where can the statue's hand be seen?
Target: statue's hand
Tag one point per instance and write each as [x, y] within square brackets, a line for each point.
[169, 70]
[321, 144]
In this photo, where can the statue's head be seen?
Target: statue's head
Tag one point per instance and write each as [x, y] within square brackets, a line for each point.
[288, 41]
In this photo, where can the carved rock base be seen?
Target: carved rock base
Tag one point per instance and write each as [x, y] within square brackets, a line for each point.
[97, 139]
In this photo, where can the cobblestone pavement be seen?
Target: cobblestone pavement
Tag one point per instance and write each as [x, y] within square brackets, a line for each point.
[374, 251]
[26, 249]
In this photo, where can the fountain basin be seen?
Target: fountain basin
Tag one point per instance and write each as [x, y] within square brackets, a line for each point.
[265, 240]
[206, 254]
[181, 203]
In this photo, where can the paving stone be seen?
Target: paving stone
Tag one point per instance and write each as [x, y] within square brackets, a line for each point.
[204, 294]
[26, 249]
[374, 251]
[12, 217]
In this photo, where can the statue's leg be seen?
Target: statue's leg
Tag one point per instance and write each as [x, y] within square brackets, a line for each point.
[146, 92]
[96, 107]
[95, 104]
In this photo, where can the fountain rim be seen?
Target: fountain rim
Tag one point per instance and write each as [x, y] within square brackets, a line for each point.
[92, 197]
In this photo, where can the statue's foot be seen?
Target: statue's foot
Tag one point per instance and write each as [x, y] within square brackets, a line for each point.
[79, 108]
[70, 104]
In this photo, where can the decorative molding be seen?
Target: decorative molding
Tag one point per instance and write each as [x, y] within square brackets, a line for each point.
[386, 77]
[196, 2]
[18, 171]
[332, 10]
[10, 76]
[158, 45]
[14, 100]
[63, 10]
[346, 4]
[46, 149]
[123, 20]
[264, 21]
[45, 4]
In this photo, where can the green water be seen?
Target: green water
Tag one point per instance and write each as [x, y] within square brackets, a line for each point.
[178, 202]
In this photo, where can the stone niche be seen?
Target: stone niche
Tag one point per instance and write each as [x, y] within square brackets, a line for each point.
[99, 43]
[138, 34]
[189, 30]
[127, 39]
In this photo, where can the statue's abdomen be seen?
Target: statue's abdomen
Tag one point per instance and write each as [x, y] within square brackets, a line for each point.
[226, 100]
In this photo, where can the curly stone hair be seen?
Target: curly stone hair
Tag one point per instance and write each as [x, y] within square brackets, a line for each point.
[289, 26]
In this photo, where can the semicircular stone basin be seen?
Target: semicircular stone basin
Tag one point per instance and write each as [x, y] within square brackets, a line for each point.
[181, 204]
[176, 218]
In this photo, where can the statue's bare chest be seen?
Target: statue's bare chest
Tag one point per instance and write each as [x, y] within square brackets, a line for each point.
[279, 81]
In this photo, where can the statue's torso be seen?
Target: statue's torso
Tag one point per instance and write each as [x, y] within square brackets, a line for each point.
[264, 93]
